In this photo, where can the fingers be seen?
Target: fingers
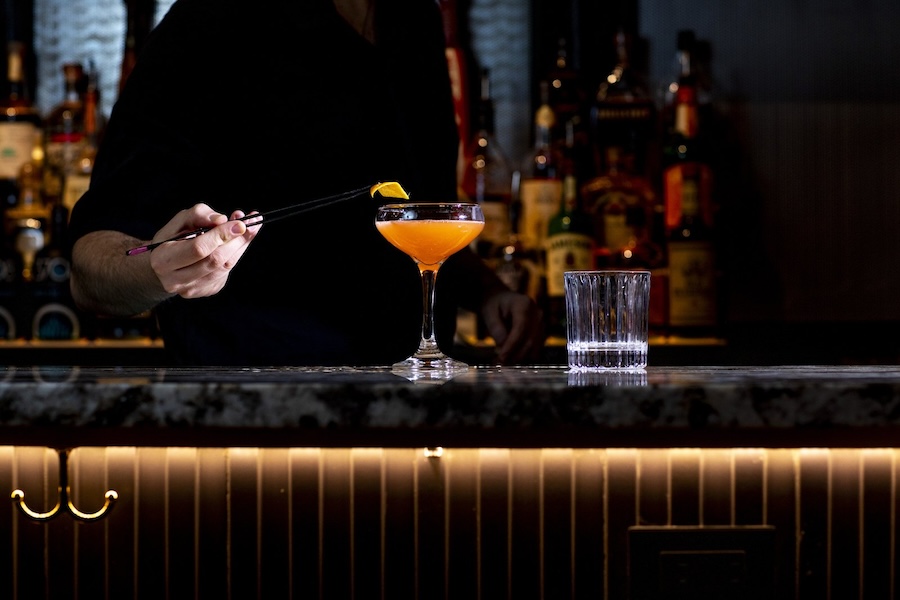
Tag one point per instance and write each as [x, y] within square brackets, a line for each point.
[515, 323]
[200, 266]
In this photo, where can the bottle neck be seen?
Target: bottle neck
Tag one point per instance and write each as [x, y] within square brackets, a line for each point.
[17, 92]
[687, 121]
[72, 74]
[683, 58]
[570, 193]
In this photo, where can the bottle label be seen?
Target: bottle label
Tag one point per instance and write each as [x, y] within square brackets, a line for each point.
[63, 150]
[496, 222]
[673, 187]
[692, 284]
[76, 184]
[567, 252]
[621, 210]
[616, 232]
[16, 144]
[541, 199]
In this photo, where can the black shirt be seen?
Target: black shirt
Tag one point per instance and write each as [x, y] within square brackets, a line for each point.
[261, 105]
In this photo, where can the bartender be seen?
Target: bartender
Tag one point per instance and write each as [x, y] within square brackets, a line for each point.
[232, 109]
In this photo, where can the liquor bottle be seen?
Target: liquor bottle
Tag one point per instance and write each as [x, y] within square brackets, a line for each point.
[682, 70]
[621, 202]
[568, 100]
[687, 190]
[685, 150]
[27, 220]
[77, 175]
[565, 92]
[693, 305]
[569, 245]
[55, 317]
[623, 113]
[487, 176]
[691, 63]
[20, 125]
[540, 189]
[64, 136]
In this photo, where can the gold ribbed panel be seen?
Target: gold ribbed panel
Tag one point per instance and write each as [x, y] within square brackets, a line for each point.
[249, 523]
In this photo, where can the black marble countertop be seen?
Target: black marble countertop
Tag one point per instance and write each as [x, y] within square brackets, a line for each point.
[546, 406]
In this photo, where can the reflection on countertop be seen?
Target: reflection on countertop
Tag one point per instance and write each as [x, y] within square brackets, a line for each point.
[485, 406]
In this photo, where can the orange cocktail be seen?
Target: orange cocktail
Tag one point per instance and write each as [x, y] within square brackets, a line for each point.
[429, 233]
[430, 242]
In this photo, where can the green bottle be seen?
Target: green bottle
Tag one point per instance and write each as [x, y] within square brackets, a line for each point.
[569, 245]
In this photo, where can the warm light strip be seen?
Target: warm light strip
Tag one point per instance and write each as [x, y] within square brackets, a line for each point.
[515, 517]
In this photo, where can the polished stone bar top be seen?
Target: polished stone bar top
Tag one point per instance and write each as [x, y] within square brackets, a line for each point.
[545, 406]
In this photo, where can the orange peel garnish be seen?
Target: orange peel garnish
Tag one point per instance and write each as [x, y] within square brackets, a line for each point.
[389, 189]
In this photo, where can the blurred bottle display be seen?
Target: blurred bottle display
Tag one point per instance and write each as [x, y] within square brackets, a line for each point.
[687, 186]
[693, 305]
[621, 198]
[29, 239]
[569, 245]
[45, 167]
[20, 124]
[55, 316]
[77, 174]
[568, 99]
[64, 136]
[487, 176]
[28, 219]
[685, 150]
[540, 188]
[621, 202]
[623, 113]
[624, 209]
[691, 62]
[565, 92]
[681, 70]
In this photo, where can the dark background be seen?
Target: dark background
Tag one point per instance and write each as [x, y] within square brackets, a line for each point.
[807, 96]
[807, 99]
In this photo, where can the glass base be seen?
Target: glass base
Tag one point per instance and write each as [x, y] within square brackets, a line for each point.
[437, 366]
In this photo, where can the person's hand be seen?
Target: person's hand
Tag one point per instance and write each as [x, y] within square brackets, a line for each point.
[516, 324]
[200, 266]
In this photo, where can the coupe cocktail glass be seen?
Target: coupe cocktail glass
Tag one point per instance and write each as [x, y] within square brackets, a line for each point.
[429, 233]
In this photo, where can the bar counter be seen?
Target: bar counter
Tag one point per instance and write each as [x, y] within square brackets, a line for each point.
[541, 406]
[526, 483]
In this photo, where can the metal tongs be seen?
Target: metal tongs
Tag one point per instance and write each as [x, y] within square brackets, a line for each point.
[260, 218]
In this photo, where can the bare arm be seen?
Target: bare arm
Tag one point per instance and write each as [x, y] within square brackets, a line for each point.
[106, 281]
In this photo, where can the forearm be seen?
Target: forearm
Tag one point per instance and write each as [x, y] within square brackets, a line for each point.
[105, 281]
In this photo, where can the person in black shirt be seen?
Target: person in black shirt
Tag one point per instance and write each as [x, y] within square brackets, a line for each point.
[234, 108]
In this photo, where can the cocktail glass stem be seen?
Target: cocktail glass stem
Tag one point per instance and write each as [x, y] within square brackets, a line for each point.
[429, 358]
[428, 346]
